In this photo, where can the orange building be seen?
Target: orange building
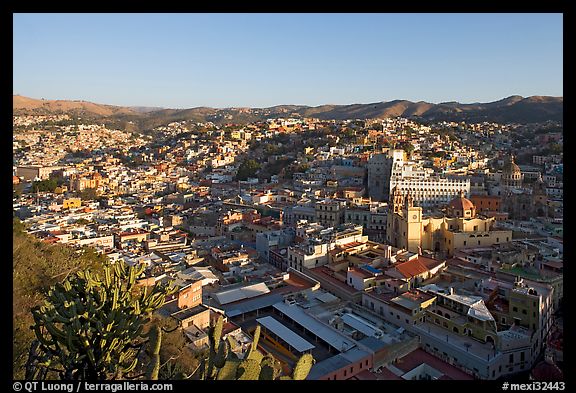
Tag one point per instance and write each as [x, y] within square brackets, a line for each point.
[486, 202]
[190, 296]
[79, 182]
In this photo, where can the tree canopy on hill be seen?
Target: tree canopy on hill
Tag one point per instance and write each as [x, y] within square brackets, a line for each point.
[45, 185]
[247, 169]
[36, 266]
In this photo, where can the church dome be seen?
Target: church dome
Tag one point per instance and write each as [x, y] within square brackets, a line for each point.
[511, 174]
[461, 207]
[510, 167]
[461, 203]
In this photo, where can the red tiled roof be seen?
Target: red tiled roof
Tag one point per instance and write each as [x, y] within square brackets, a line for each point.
[360, 273]
[325, 273]
[545, 371]
[349, 245]
[430, 263]
[411, 268]
[419, 356]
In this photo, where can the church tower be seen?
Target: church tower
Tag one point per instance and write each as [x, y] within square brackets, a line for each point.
[412, 224]
[394, 219]
[396, 200]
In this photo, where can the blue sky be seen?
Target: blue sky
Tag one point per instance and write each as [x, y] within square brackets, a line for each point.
[260, 60]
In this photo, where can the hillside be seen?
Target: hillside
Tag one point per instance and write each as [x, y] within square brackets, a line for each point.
[29, 106]
[515, 109]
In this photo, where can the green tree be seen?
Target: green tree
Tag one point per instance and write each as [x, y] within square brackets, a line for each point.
[290, 170]
[83, 221]
[88, 194]
[90, 327]
[45, 185]
[407, 147]
[554, 148]
[247, 169]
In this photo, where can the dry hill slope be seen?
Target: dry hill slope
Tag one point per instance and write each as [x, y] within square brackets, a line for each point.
[24, 105]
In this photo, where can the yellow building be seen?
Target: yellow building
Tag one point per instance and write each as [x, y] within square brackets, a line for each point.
[61, 189]
[460, 228]
[71, 203]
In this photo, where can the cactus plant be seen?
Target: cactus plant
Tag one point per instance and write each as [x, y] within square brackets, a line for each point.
[303, 367]
[271, 368]
[90, 327]
[249, 369]
[154, 342]
[228, 370]
[222, 363]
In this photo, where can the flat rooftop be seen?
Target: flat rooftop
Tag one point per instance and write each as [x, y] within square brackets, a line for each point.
[291, 338]
[330, 336]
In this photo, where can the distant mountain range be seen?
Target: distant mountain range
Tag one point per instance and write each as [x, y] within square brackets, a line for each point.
[514, 109]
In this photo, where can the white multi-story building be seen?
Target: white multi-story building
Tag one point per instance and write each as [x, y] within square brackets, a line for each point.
[427, 189]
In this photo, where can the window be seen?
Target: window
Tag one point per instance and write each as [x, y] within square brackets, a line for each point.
[524, 311]
[464, 242]
[511, 359]
[522, 356]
